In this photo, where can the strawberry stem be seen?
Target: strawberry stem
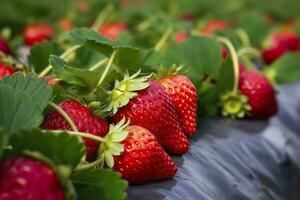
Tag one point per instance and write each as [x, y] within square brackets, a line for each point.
[64, 115]
[241, 33]
[109, 64]
[163, 39]
[102, 16]
[82, 134]
[248, 51]
[63, 56]
[91, 165]
[235, 60]
[98, 64]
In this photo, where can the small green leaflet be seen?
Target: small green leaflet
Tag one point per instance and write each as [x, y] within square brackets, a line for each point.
[62, 149]
[225, 79]
[199, 55]
[98, 184]
[34, 87]
[84, 78]
[286, 69]
[3, 141]
[39, 54]
[127, 57]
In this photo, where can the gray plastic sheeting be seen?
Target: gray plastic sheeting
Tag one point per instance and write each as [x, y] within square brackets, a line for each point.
[238, 159]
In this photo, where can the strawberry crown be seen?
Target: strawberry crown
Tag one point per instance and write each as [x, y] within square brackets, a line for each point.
[124, 91]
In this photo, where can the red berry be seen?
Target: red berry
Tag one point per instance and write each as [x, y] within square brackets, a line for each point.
[4, 47]
[5, 71]
[23, 178]
[112, 31]
[213, 26]
[37, 33]
[85, 121]
[260, 93]
[153, 109]
[184, 96]
[181, 36]
[143, 159]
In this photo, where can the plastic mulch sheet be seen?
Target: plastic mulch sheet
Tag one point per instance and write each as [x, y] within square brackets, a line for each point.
[238, 159]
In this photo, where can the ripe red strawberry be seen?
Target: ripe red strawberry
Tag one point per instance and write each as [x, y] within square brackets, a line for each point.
[85, 121]
[213, 26]
[4, 47]
[112, 31]
[181, 36]
[5, 71]
[184, 95]
[153, 109]
[279, 44]
[143, 159]
[37, 33]
[23, 178]
[260, 93]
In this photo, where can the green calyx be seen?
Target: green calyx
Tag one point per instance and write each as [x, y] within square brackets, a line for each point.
[123, 92]
[235, 105]
[167, 71]
[270, 73]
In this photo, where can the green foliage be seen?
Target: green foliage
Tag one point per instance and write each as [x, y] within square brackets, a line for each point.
[97, 183]
[39, 54]
[225, 81]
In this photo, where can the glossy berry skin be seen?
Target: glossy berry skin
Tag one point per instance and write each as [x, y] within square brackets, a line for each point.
[4, 47]
[153, 109]
[184, 96]
[112, 31]
[23, 178]
[143, 159]
[279, 44]
[85, 121]
[5, 71]
[260, 93]
[37, 33]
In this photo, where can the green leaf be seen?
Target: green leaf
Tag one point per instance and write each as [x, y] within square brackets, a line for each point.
[286, 69]
[127, 57]
[199, 55]
[232, 36]
[17, 110]
[62, 149]
[84, 78]
[39, 54]
[34, 87]
[225, 79]
[98, 184]
[3, 141]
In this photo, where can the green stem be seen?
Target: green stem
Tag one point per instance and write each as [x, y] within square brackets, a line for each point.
[249, 51]
[63, 56]
[241, 33]
[98, 64]
[64, 115]
[235, 60]
[89, 165]
[102, 16]
[146, 24]
[110, 61]
[163, 39]
[82, 134]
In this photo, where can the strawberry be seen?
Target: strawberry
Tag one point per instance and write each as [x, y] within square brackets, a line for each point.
[260, 93]
[23, 178]
[181, 36]
[112, 31]
[84, 120]
[147, 104]
[4, 47]
[143, 159]
[278, 44]
[5, 70]
[36, 33]
[65, 24]
[184, 96]
[213, 26]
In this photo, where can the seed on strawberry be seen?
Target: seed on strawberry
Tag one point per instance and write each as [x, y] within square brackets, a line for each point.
[84, 120]
[145, 103]
[260, 93]
[5, 71]
[143, 159]
[4, 47]
[23, 178]
[184, 96]
[37, 33]
[112, 31]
